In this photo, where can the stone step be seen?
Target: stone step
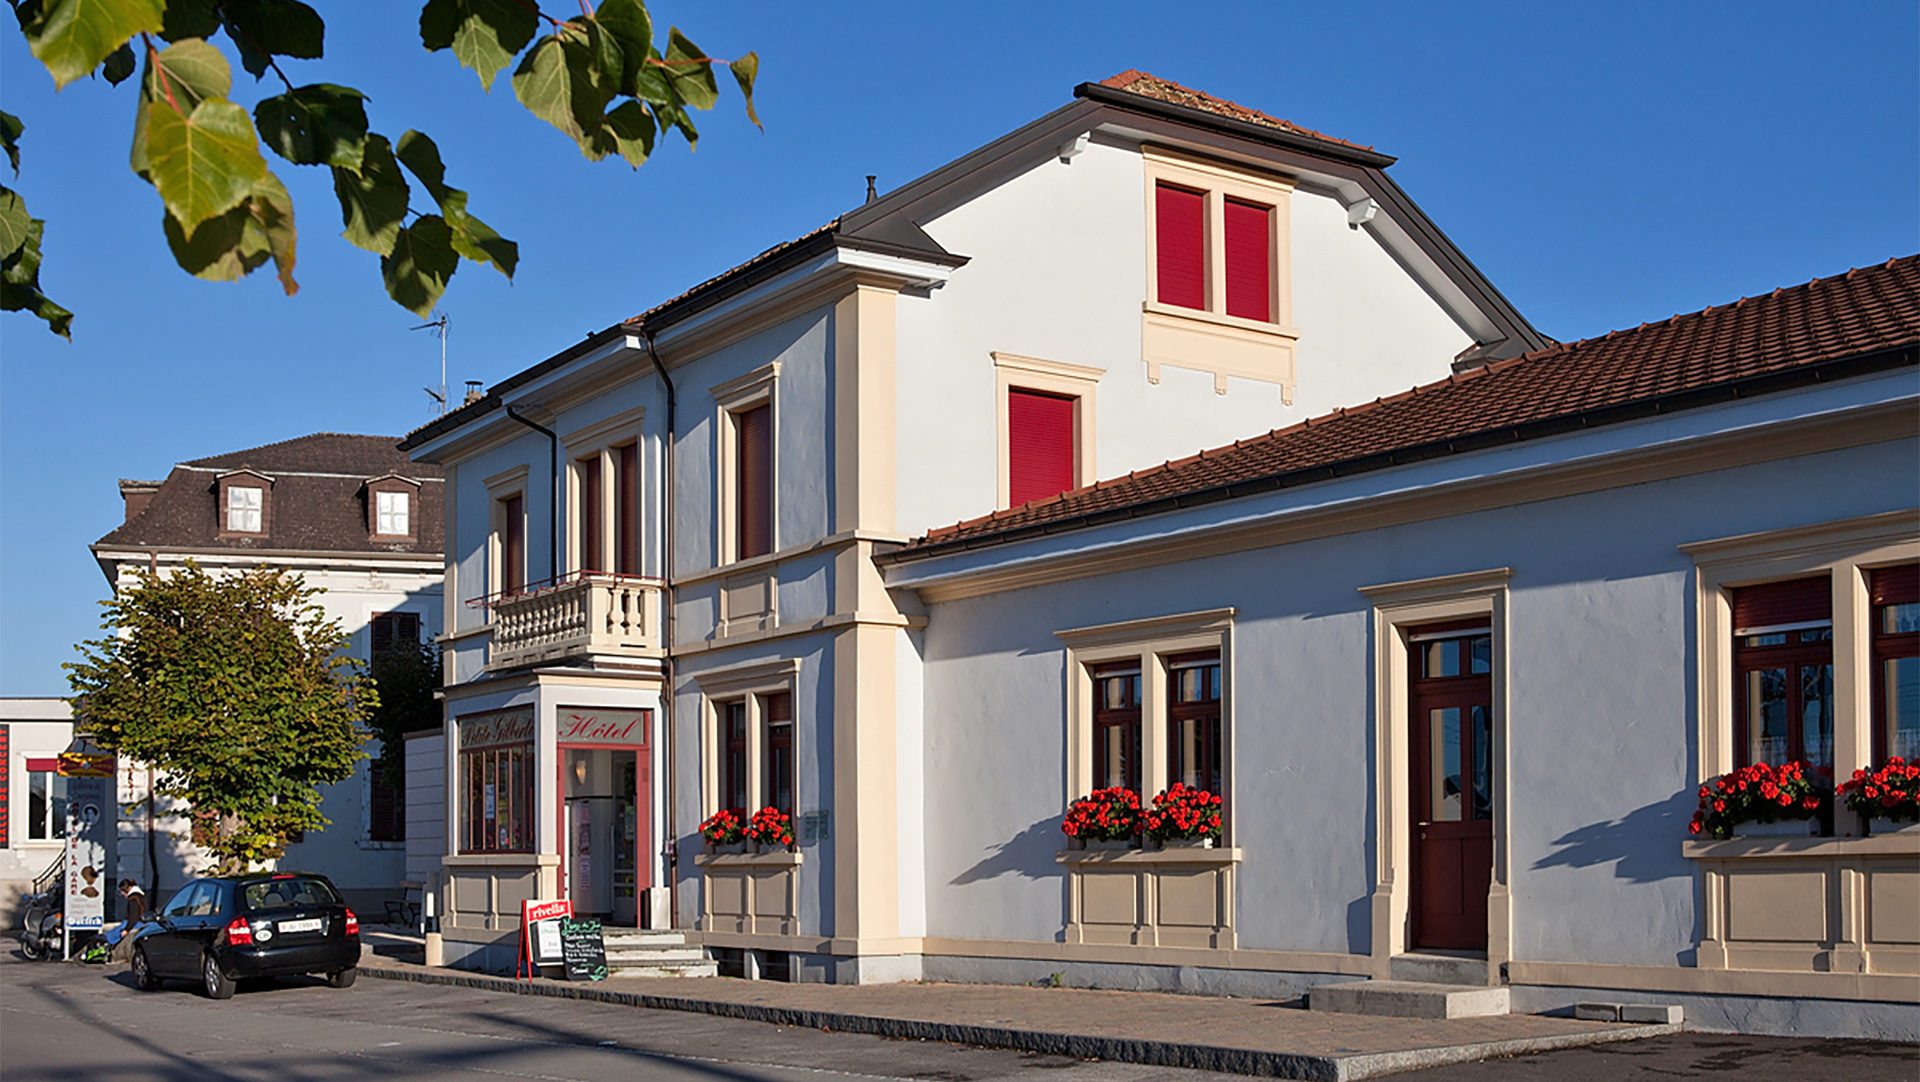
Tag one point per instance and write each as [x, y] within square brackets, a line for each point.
[1409, 999]
[1435, 968]
[642, 935]
[678, 969]
[654, 955]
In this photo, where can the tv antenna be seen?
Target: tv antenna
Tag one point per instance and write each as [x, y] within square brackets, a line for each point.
[441, 328]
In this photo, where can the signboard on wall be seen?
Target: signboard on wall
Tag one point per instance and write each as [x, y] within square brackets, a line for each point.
[89, 822]
[590, 725]
[513, 726]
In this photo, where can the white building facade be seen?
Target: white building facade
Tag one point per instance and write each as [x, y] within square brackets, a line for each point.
[661, 596]
[352, 517]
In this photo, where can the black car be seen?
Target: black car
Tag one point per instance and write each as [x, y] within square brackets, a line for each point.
[221, 930]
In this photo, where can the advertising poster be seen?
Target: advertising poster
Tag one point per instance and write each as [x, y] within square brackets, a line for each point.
[89, 818]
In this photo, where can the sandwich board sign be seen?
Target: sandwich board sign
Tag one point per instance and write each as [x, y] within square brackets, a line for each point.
[540, 935]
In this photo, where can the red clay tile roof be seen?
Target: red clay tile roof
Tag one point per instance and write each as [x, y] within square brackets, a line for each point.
[1865, 311]
[316, 503]
[1152, 86]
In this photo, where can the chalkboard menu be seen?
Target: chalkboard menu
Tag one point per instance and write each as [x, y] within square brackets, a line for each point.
[584, 952]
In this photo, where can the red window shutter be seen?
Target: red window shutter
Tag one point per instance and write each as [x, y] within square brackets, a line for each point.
[1179, 245]
[1798, 601]
[1249, 261]
[626, 532]
[6, 804]
[1039, 446]
[1895, 585]
[591, 502]
[755, 481]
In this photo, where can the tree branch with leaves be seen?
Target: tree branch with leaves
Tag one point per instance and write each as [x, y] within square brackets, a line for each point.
[598, 76]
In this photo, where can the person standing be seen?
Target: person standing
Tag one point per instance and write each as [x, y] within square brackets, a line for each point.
[133, 907]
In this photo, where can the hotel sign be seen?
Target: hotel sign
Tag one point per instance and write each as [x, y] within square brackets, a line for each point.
[588, 725]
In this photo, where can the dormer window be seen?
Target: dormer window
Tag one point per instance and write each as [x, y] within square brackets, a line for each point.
[389, 507]
[244, 504]
[392, 513]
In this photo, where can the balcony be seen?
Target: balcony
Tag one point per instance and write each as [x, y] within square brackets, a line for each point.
[582, 615]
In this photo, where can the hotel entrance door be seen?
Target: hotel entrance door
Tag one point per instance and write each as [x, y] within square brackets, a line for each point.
[606, 801]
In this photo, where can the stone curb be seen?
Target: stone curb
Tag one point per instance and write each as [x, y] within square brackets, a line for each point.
[1245, 1061]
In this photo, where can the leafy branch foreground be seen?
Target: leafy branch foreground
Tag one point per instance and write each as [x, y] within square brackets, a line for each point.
[597, 76]
[235, 689]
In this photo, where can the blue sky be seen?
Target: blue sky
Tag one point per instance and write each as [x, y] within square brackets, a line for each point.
[1605, 164]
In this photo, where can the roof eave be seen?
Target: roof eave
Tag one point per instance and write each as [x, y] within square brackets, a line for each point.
[1186, 114]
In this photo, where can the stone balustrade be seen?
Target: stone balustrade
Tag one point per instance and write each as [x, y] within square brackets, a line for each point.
[606, 615]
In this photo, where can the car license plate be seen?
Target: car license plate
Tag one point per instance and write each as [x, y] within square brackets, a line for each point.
[311, 925]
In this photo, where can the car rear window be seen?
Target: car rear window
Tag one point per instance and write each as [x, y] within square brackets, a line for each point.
[292, 891]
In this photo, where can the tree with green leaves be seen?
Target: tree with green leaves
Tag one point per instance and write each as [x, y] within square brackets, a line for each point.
[236, 690]
[599, 76]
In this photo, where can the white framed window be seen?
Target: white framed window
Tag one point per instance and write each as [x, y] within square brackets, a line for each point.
[393, 514]
[604, 492]
[1219, 291]
[1047, 437]
[1149, 704]
[749, 761]
[244, 505]
[46, 806]
[746, 482]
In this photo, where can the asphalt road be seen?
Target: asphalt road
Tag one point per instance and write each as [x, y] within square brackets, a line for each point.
[66, 1021]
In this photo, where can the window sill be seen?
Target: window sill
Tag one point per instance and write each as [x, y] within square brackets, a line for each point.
[1889, 845]
[1219, 319]
[1149, 856]
[483, 860]
[786, 858]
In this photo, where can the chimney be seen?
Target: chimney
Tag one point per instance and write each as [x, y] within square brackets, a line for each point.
[871, 194]
[473, 393]
[137, 494]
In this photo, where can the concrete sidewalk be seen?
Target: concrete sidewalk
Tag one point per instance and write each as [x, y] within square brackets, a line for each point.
[1241, 1036]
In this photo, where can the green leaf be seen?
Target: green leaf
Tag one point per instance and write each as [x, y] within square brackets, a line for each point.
[373, 200]
[422, 262]
[119, 65]
[270, 228]
[606, 62]
[72, 37]
[650, 84]
[690, 72]
[557, 82]
[472, 237]
[263, 28]
[628, 23]
[205, 163]
[10, 129]
[321, 124]
[627, 131]
[15, 223]
[189, 19]
[672, 116]
[477, 241]
[485, 35]
[20, 284]
[181, 76]
[745, 71]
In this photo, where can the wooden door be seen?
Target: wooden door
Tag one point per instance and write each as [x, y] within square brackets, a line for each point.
[1450, 676]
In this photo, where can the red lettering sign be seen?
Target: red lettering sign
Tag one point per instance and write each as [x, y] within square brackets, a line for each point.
[579, 725]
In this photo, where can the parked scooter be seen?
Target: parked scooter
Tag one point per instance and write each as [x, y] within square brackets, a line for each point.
[44, 922]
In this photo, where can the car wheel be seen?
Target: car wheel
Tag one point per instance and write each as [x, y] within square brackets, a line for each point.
[143, 976]
[216, 984]
[342, 978]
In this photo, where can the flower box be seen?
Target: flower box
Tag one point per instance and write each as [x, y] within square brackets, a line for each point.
[724, 832]
[727, 847]
[1893, 826]
[1186, 843]
[1103, 816]
[1108, 843]
[1182, 814]
[770, 830]
[1887, 797]
[1784, 828]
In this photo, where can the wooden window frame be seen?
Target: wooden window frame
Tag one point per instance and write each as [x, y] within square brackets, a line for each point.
[776, 710]
[1202, 711]
[1154, 645]
[502, 488]
[510, 764]
[749, 687]
[1886, 646]
[1124, 722]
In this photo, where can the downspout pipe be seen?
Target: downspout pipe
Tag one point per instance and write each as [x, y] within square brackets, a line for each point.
[553, 475]
[666, 652]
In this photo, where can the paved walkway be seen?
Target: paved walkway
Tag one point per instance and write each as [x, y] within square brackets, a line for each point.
[1244, 1036]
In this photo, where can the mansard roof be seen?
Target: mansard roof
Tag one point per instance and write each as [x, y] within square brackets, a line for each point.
[316, 503]
[1866, 320]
